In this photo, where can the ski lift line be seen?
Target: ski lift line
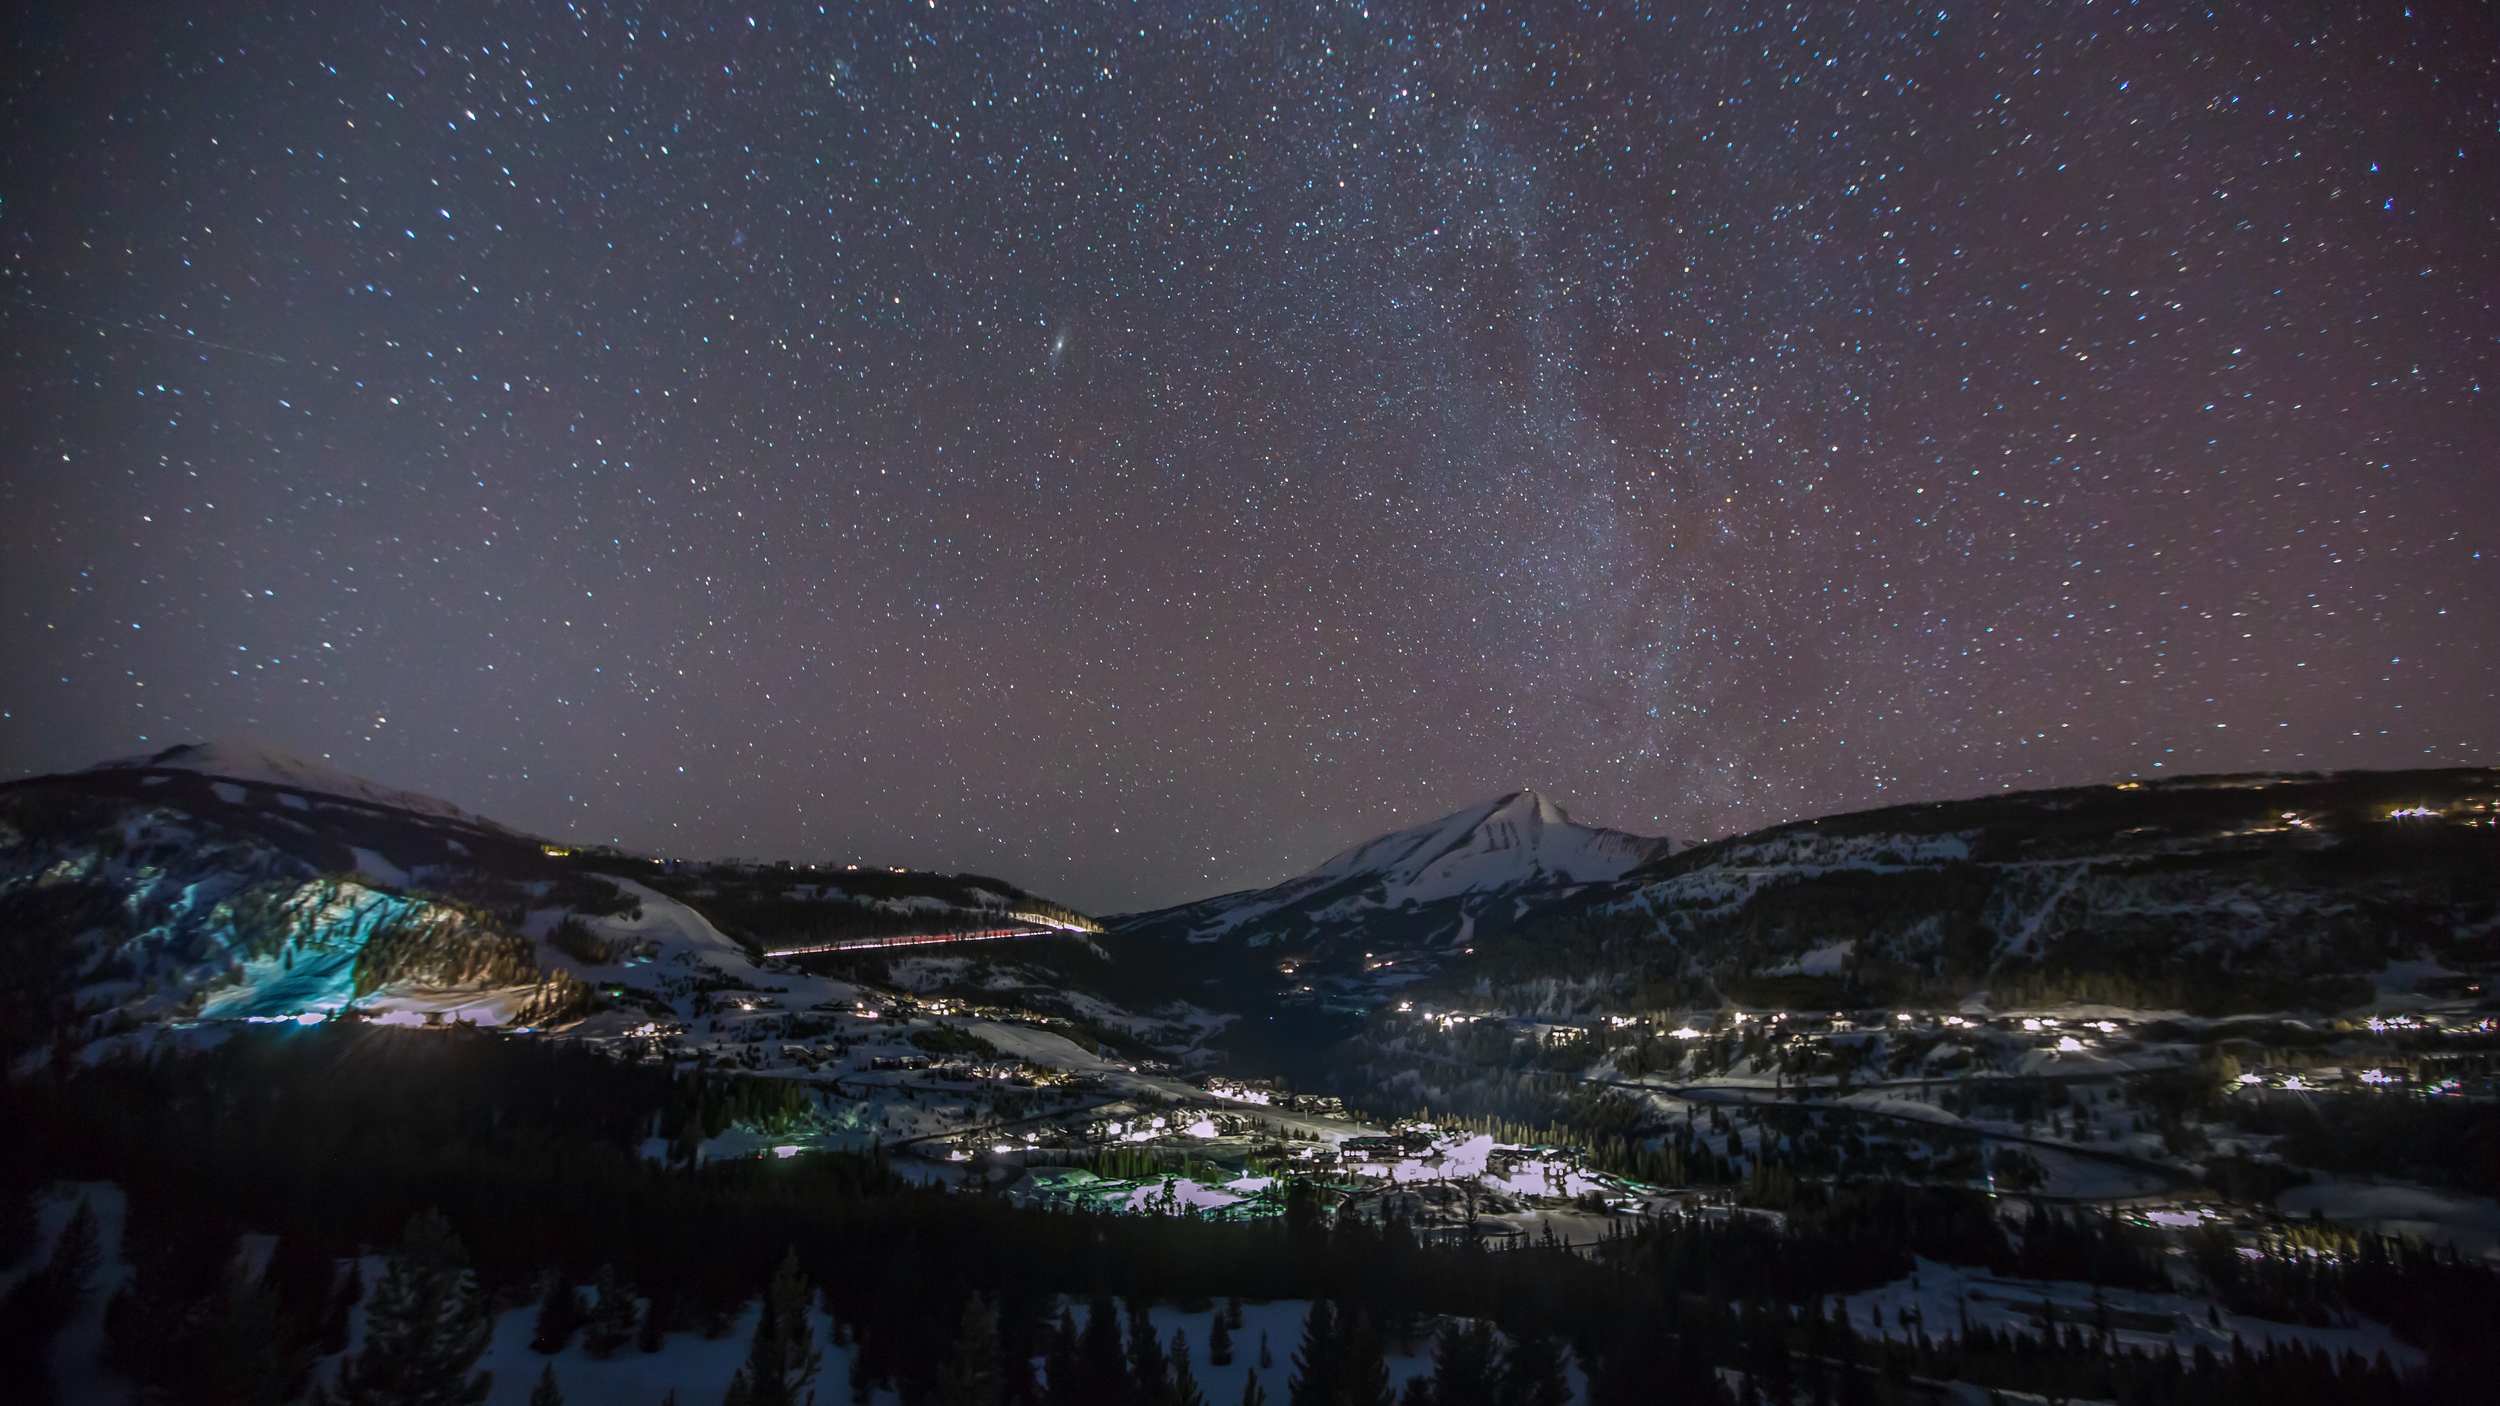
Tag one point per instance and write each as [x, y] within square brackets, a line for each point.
[917, 939]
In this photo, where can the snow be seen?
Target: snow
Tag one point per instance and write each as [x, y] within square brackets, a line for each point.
[263, 765]
[1515, 840]
[1281, 1323]
[74, 1364]
[1822, 961]
[328, 926]
[373, 866]
[672, 925]
[1938, 1294]
[1186, 1195]
[695, 1367]
[1043, 1047]
[1521, 840]
[2470, 1223]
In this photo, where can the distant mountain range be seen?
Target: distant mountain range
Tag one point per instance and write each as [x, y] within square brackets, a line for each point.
[2214, 893]
[184, 882]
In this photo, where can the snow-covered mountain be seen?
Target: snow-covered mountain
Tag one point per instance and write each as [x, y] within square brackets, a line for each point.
[2209, 893]
[1514, 842]
[255, 764]
[1390, 908]
[225, 883]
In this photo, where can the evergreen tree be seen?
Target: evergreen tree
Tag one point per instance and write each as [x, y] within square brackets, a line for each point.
[249, 1355]
[738, 1392]
[1466, 1365]
[547, 1393]
[1145, 1357]
[784, 1357]
[1532, 1373]
[973, 1376]
[1314, 1381]
[1418, 1392]
[1220, 1342]
[560, 1311]
[425, 1329]
[1266, 1359]
[334, 1320]
[70, 1272]
[1362, 1371]
[613, 1315]
[1232, 1314]
[1251, 1394]
[1059, 1363]
[38, 1306]
[1101, 1371]
[1184, 1390]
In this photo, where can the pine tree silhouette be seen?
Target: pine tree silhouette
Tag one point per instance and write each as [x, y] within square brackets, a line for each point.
[613, 1316]
[972, 1376]
[1362, 1372]
[1184, 1389]
[1147, 1368]
[1101, 1370]
[1314, 1380]
[560, 1311]
[425, 1329]
[784, 1357]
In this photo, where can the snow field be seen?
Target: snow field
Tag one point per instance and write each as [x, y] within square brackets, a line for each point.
[1941, 1293]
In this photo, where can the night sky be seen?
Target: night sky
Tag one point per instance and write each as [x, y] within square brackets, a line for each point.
[1138, 449]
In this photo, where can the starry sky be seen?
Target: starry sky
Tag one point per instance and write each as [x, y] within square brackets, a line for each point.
[1137, 449]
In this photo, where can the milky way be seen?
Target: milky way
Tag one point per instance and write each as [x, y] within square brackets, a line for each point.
[1136, 449]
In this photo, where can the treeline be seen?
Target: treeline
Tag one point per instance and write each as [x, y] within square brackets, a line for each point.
[763, 906]
[332, 1139]
[2442, 1142]
[1517, 1108]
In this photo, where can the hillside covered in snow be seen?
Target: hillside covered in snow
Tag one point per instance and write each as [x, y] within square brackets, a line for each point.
[1395, 907]
[1759, 1116]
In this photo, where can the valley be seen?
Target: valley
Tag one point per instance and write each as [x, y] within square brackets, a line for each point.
[2160, 1052]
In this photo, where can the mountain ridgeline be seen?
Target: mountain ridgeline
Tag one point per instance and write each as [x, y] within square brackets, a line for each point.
[2211, 894]
[233, 883]
[230, 882]
[1714, 1107]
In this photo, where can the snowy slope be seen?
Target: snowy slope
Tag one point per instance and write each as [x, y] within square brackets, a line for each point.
[1428, 886]
[1517, 844]
[258, 765]
[1521, 840]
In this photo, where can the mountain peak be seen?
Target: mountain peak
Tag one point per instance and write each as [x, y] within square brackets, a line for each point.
[1519, 840]
[258, 764]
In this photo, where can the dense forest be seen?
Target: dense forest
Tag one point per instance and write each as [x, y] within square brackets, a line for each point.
[342, 1140]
